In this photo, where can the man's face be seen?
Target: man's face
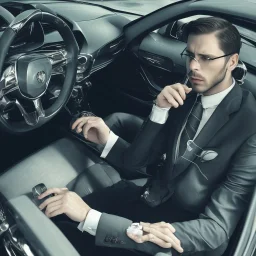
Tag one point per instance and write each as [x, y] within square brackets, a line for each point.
[204, 75]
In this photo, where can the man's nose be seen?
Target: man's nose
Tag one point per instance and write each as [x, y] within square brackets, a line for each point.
[194, 65]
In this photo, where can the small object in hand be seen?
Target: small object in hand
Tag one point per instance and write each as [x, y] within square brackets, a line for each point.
[37, 191]
[135, 229]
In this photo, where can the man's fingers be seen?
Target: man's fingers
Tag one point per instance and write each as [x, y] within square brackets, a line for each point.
[187, 89]
[182, 92]
[163, 224]
[51, 191]
[135, 238]
[176, 95]
[49, 201]
[170, 99]
[80, 126]
[145, 224]
[82, 120]
[164, 235]
[79, 120]
[56, 212]
[52, 207]
[164, 243]
[153, 239]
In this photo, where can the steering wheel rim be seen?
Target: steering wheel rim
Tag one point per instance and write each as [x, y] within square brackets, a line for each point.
[71, 65]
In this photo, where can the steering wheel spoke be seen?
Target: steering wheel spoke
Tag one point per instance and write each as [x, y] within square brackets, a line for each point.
[35, 117]
[58, 60]
[39, 108]
[8, 82]
[6, 105]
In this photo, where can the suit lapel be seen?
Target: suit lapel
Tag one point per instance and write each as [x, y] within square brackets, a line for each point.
[230, 104]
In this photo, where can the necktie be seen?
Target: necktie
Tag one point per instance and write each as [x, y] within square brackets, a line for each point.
[191, 126]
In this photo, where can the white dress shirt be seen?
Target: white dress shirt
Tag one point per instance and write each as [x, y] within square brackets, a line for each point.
[158, 115]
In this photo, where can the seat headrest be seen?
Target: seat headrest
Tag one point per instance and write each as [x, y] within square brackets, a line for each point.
[239, 73]
[244, 79]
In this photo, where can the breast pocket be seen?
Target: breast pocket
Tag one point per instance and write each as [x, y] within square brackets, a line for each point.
[207, 155]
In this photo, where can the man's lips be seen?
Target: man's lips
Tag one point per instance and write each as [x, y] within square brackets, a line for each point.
[196, 79]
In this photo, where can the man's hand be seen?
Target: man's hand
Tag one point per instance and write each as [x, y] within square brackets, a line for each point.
[94, 129]
[160, 233]
[66, 202]
[172, 96]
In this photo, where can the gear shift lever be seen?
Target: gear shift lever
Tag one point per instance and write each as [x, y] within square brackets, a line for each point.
[37, 191]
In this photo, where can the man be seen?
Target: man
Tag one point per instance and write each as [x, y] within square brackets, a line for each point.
[209, 137]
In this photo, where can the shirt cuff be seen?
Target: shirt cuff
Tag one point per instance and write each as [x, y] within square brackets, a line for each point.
[159, 115]
[91, 222]
[109, 145]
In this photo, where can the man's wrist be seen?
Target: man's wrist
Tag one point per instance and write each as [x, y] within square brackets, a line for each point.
[157, 105]
[86, 214]
[110, 143]
[107, 138]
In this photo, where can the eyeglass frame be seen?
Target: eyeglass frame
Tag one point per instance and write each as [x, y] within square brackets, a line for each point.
[208, 59]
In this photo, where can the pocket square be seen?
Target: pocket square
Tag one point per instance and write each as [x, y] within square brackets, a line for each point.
[208, 155]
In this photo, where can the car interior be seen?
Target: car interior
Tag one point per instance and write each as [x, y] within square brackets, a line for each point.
[96, 61]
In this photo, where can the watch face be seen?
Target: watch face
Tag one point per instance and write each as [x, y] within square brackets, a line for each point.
[135, 229]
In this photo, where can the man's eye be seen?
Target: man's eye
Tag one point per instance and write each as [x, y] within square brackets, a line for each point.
[205, 58]
[191, 56]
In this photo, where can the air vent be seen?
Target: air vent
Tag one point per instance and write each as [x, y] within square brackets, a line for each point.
[116, 45]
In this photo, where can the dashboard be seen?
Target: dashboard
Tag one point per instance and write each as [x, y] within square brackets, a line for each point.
[98, 32]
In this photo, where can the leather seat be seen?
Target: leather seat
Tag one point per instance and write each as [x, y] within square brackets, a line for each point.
[66, 162]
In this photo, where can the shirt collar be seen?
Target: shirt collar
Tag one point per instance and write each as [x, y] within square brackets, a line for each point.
[215, 99]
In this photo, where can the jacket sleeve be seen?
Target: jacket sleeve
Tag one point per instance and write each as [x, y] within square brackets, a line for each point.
[215, 226]
[149, 145]
[111, 232]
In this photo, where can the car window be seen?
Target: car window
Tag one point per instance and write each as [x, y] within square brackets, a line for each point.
[175, 30]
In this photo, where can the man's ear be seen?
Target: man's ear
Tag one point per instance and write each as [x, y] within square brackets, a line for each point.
[233, 61]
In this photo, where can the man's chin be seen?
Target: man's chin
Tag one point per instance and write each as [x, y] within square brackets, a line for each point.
[199, 88]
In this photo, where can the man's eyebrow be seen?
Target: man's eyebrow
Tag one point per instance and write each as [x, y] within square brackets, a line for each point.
[188, 51]
[200, 54]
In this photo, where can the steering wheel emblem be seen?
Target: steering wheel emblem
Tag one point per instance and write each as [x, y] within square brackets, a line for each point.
[40, 76]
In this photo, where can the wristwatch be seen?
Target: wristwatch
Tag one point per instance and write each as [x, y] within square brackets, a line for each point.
[135, 229]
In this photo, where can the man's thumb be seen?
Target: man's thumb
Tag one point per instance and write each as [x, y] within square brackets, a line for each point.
[187, 89]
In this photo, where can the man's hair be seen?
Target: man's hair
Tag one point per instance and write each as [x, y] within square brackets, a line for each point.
[227, 34]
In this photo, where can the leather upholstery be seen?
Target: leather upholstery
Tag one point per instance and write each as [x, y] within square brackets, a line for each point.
[66, 162]
[58, 165]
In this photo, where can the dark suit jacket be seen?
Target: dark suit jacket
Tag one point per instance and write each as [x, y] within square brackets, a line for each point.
[218, 190]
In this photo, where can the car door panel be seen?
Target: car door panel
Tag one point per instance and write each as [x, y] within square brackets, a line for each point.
[141, 73]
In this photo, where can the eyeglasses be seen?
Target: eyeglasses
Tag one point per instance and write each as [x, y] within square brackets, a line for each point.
[202, 60]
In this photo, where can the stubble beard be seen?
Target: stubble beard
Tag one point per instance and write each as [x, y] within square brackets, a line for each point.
[214, 84]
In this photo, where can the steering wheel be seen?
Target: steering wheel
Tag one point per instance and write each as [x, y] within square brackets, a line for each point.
[30, 73]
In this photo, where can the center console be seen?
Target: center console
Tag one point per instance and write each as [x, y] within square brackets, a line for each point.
[26, 231]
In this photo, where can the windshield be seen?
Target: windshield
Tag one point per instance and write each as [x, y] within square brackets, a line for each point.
[141, 7]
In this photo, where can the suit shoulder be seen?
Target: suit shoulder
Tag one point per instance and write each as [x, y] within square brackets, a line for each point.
[249, 100]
